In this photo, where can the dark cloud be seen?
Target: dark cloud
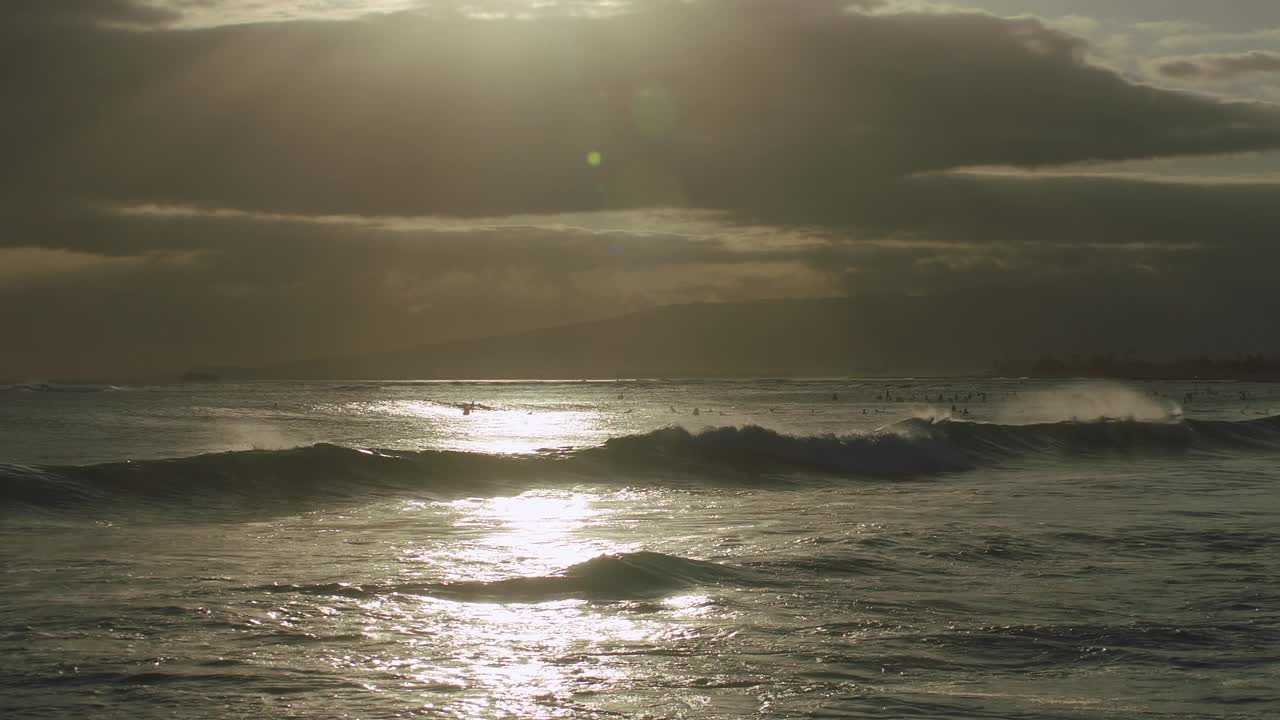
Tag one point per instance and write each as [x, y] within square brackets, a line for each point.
[151, 294]
[1214, 68]
[1096, 263]
[120, 13]
[819, 139]
[1242, 15]
[713, 104]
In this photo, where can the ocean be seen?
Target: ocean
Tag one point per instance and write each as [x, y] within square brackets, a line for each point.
[910, 548]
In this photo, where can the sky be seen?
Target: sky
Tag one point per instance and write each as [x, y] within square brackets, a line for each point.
[203, 182]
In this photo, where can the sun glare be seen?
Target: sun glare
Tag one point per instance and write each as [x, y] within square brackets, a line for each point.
[515, 431]
[499, 429]
[537, 533]
[506, 658]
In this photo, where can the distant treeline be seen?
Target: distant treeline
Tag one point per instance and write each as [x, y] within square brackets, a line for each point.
[1241, 366]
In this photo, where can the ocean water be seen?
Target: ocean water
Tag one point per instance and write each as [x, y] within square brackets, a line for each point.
[796, 549]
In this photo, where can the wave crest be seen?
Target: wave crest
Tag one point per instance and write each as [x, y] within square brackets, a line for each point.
[911, 448]
[607, 577]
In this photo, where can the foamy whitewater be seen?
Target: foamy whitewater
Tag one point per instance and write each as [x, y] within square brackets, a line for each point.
[641, 549]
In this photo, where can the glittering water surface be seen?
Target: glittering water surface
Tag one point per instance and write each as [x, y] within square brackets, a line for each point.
[549, 550]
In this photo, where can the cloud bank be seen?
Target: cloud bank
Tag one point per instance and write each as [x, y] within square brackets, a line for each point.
[736, 106]
[260, 192]
[1213, 68]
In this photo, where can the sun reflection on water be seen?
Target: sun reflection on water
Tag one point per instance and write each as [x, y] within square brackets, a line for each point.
[519, 659]
[515, 656]
[505, 432]
[491, 427]
[536, 533]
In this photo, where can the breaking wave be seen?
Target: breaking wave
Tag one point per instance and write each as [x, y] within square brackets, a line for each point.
[911, 448]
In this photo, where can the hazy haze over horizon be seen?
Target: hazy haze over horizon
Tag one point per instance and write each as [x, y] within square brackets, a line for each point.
[202, 182]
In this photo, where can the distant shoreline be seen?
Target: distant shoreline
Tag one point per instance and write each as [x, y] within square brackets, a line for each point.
[1239, 368]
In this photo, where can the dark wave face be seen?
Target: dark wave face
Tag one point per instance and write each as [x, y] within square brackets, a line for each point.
[257, 477]
[625, 576]
[912, 448]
